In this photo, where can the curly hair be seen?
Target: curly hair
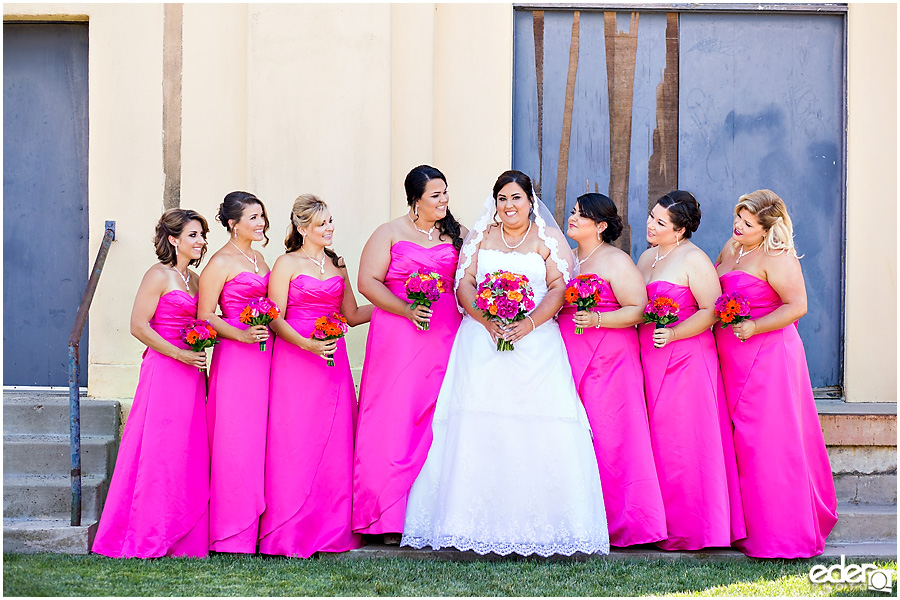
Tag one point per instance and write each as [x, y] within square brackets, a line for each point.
[172, 223]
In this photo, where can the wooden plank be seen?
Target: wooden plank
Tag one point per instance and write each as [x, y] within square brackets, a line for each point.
[662, 174]
[621, 52]
[538, 26]
[562, 170]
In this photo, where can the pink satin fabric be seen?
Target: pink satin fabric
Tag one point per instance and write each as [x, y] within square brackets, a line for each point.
[159, 495]
[606, 365]
[237, 410]
[401, 379]
[785, 476]
[690, 430]
[309, 452]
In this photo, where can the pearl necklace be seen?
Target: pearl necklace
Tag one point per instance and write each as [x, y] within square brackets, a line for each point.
[428, 233]
[742, 254]
[185, 278]
[252, 260]
[581, 262]
[503, 237]
[319, 263]
[659, 258]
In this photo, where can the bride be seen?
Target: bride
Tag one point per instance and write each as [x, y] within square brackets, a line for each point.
[511, 467]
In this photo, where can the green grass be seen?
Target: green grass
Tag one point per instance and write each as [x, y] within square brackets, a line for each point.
[227, 575]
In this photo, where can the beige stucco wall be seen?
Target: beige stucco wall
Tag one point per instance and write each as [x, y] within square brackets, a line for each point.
[870, 352]
[281, 99]
[342, 100]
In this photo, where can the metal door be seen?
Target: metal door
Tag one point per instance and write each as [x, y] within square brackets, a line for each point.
[45, 198]
[634, 104]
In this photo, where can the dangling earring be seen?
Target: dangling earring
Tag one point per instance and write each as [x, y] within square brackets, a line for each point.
[598, 235]
[677, 241]
[416, 209]
[234, 233]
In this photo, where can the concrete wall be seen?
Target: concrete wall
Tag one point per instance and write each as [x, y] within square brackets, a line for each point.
[870, 352]
[342, 100]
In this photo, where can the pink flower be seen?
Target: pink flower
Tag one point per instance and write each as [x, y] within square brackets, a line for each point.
[414, 284]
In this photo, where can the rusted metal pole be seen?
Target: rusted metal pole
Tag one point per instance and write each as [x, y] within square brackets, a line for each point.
[109, 236]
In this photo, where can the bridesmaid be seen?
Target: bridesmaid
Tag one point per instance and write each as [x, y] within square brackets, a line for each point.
[404, 366]
[238, 402]
[690, 427]
[785, 476]
[606, 364]
[309, 453]
[158, 498]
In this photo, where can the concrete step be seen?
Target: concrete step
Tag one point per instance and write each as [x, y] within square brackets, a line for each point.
[48, 454]
[859, 488]
[50, 496]
[48, 412]
[35, 536]
[865, 523]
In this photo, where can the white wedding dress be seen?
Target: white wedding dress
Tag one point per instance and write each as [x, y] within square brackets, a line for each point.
[512, 466]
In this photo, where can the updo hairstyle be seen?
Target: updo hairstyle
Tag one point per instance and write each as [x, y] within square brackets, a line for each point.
[600, 209]
[519, 178]
[306, 208]
[232, 209]
[415, 183]
[172, 223]
[684, 211]
[771, 212]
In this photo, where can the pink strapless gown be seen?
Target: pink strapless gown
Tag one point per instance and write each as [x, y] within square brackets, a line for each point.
[158, 501]
[606, 365]
[785, 476]
[238, 410]
[309, 452]
[401, 379]
[690, 430]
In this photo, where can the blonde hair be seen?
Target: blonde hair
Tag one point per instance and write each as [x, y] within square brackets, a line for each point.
[773, 217]
[303, 212]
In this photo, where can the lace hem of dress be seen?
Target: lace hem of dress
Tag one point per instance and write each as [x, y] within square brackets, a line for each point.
[503, 548]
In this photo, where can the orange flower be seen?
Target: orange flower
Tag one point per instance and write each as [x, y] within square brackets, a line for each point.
[246, 315]
[486, 294]
[515, 296]
[192, 337]
[571, 295]
[493, 309]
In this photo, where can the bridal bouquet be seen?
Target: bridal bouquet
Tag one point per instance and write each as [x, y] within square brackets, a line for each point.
[260, 311]
[732, 308]
[505, 297]
[661, 310]
[584, 292]
[329, 327]
[199, 335]
[423, 289]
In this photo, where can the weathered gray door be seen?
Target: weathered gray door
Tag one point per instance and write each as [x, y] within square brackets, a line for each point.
[45, 198]
[634, 104]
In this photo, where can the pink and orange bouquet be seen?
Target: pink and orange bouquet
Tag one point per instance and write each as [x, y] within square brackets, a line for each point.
[732, 308]
[423, 289]
[199, 335]
[330, 327]
[661, 310]
[260, 311]
[505, 297]
[584, 292]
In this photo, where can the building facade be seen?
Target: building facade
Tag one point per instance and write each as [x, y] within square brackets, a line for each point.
[177, 105]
